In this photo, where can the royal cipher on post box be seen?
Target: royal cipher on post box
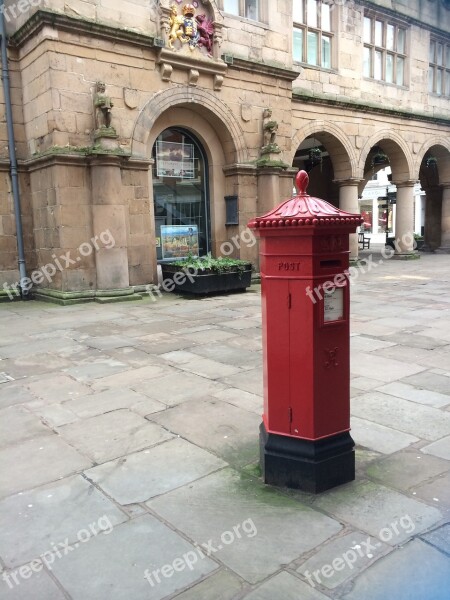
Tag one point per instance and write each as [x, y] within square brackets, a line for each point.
[304, 259]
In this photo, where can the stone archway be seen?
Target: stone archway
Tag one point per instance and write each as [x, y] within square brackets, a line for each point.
[400, 157]
[341, 151]
[434, 175]
[403, 176]
[214, 125]
[196, 100]
[339, 169]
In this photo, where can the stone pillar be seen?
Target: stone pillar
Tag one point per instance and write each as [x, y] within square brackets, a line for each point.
[109, 213]
[287, 183]
[268, 189]
[348, 201]
[445, 221]
[404, 220]
[240, 181]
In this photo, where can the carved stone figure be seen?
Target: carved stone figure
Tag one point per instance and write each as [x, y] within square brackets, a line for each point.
[270, 128]
[176, 21]
[103, 105]
[206, 32]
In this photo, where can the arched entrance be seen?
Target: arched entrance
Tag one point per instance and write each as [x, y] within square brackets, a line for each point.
[180, 195]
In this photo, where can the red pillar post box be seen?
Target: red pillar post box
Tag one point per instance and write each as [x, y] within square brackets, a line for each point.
[305, 435]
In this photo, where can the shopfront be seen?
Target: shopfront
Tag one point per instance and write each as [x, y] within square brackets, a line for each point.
[181, 196]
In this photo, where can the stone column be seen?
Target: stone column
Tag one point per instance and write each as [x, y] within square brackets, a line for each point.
[404, 220]
[109, 213]
[240, 181]
[348, 201]
[445, 221]
[268, 189]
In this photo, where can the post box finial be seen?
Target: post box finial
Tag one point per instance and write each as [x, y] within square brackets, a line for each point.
[301, 183]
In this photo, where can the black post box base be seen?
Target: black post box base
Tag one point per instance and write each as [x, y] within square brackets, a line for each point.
[311, 466]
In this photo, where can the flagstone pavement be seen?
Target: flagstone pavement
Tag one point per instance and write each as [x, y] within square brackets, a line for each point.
[129, 452]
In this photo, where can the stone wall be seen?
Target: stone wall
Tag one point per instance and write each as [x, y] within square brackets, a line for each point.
[345, 80]
[72, 190]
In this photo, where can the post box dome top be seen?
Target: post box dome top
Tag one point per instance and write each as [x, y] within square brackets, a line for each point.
[304, 210]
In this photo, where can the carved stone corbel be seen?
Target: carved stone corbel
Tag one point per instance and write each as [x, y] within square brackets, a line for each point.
[193, 77]
[166, 71]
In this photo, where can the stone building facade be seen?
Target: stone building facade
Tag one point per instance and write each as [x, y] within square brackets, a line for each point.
[346, 82]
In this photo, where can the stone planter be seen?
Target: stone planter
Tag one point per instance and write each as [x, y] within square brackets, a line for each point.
[208, 281]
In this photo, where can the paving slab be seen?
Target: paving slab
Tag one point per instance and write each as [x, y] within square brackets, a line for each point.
[341, 559]
[222, 585]
[109, 342]
[28, 366]
[54, 415]
[385, 514]
[210, 508]
[365, 383]
[143, 475]
[36, 347]
[111, 567]
[251, 344]
[109, 400]
[421, 396]
[417, 340]
[365, 364]
[135, 357]
[285, 586]
[439, 538]
[440, 448]
[113, 434]
[365, 343]
[205, 367]
[430, 381]
[18, 424]
[39, 587]
[415, 572]
[421, 421]
[127, 378]
[35, 462]
[250, 381]
[228, 431]
[94, 369]
[436, 492]
[208, 336]
[239, 357]
[14, 393]
[178, 387]
[35, 521]
[379, 437]
[407, 469]
[56, 388]
[244, 324]
[241, 399]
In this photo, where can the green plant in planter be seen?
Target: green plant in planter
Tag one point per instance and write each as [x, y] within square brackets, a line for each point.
[213, 265]
[380, 158]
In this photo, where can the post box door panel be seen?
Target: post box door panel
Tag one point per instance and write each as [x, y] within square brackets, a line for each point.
[319, 362]
[301, 324]
[276, 355]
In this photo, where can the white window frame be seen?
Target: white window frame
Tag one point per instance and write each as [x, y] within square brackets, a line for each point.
[319, 31]
[242, 7]
[435, 66]
[382, 48]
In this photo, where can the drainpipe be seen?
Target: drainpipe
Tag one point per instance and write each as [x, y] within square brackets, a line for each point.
[12, 153]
